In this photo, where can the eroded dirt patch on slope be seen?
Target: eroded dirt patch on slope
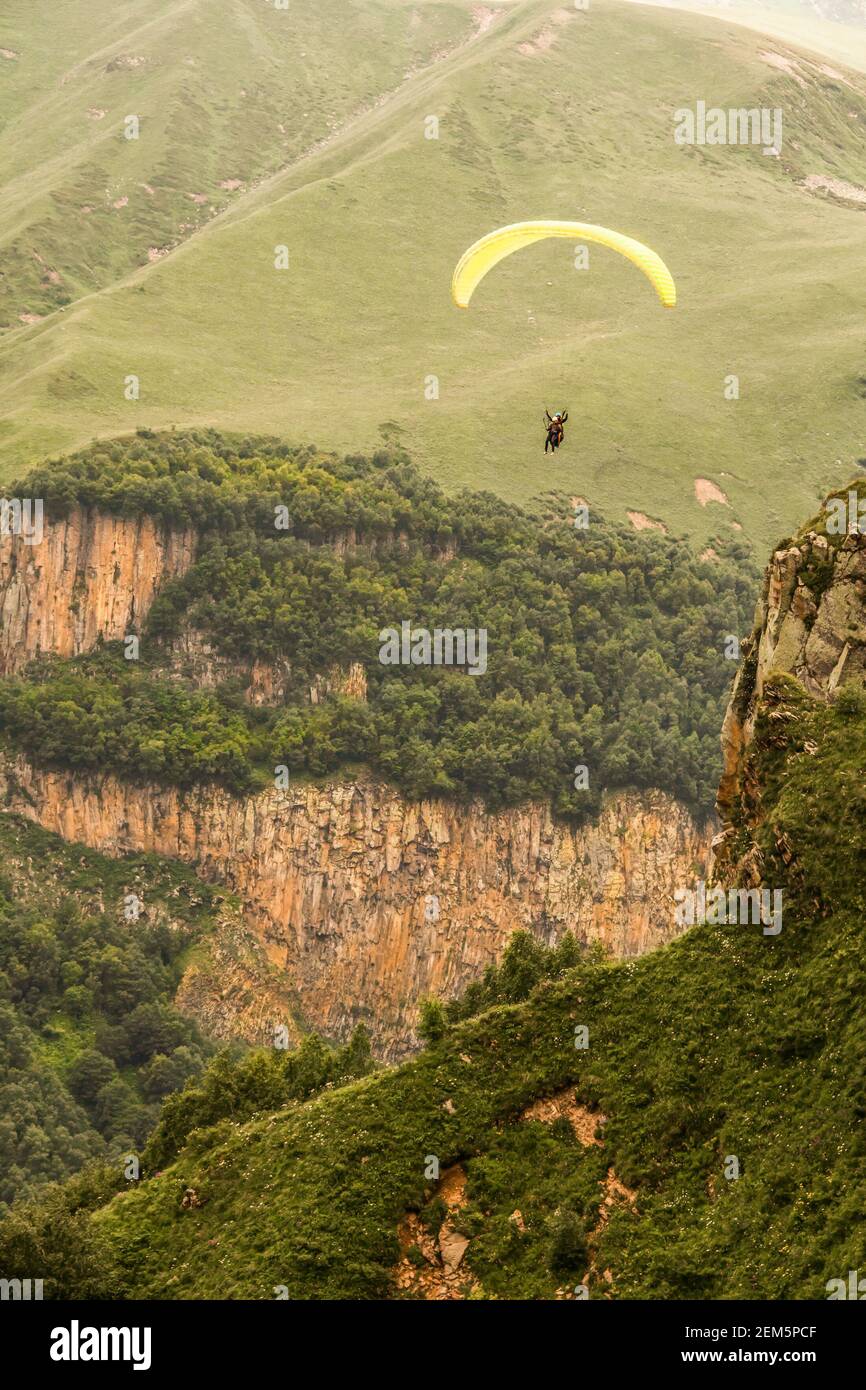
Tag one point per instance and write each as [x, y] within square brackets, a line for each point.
[838, 188]
[563, 1105]
[435, 1267]
[546, 37]
[431, 1267]
[586, 1125]
[708, 491]
[641, 522]
[789, 66]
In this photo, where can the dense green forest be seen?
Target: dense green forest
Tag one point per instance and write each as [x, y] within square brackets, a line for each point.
[91, 952]
[709, 1049]
[606, 647]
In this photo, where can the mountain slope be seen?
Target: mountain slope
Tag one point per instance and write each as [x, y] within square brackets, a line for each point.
[548, 112]
[703, 1139]
[706, 1050]
[91, 1037]
[224, 95]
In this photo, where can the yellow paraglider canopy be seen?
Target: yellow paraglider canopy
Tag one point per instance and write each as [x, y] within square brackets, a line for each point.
[491, 249]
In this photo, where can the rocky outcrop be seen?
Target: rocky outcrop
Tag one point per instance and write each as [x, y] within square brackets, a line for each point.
[91, 576]
[196, 659]
[263, 683]
[94, 577]
[810, 623]
[230, 988]
[363, 901]
[349, 681]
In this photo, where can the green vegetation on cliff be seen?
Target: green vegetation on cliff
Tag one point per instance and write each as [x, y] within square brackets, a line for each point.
[605, 647]
[91, 954]
[727, 1043]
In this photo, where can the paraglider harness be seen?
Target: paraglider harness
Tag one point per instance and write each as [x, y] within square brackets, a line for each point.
[555, 431]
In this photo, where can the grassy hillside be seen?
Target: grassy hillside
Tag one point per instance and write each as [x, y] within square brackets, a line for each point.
[726, 1044]
[548, 112]
[225, 93]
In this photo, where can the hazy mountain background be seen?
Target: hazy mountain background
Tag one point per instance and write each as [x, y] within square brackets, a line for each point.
[836, 28]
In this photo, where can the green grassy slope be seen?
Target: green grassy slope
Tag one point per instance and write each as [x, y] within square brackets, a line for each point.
[225, 94]
[539, 116]
[727, 1043]
[342, 342]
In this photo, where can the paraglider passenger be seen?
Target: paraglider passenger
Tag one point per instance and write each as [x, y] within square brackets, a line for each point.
[555, 430]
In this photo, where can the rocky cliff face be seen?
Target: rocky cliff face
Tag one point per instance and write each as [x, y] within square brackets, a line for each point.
[357, 902]
[263, 683]
[90, 576]
[810, 623]
[364, 902]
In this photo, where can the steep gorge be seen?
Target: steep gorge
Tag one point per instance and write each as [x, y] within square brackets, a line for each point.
[363, 900]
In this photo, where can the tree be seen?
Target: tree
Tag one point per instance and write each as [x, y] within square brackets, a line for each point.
[523, 965]
[62, 1247]
[164, 1074]
[87, 1076]
[114, 1109]
[567, 1248]
[433, 1021]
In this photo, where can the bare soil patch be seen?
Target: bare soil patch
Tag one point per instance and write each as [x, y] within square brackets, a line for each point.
[641, 522]
[707, 491]
[840, 188]
[787, 65]
[430, 1268]
[563, 1105]
[546, 37]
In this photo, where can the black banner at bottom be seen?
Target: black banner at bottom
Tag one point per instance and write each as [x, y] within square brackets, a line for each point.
[84, 1339]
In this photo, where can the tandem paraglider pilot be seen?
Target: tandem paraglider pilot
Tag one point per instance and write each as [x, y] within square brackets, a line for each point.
[555, 429]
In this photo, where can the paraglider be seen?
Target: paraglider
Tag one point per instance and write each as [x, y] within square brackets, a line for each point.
[555, 430]
[486, 253]
[483, 255]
